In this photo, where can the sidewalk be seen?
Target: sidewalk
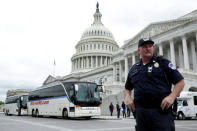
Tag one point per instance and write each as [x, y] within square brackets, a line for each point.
[111, 117]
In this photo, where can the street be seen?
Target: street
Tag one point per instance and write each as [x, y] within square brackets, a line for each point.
[28, 123]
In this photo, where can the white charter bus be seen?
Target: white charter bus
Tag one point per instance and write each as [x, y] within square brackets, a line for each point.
[65, 99]
[16, 105]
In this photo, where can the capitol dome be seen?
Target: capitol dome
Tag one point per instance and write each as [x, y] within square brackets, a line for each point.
[95, 48]
[97, 30]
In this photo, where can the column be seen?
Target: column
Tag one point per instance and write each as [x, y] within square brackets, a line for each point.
[126, 67]
[193, 55]
[172, 53]
[73, 64]
[76, 64]
[101, 62]
[82, 63]
[110, 60]
[160, 49]
[114, 71]
[120, 71]
[106, 61]
[185, 53]
[180, 56]
[96, 61]
[92, 62]
[133, 58]
[196, 42]
[88, 62]
[196, 39]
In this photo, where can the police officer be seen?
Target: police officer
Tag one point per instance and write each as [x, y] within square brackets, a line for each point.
[151, 78]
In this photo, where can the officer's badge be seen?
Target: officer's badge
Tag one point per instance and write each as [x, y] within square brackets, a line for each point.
[156, 65]
[171, 66]
[150, 69]
[135, 71]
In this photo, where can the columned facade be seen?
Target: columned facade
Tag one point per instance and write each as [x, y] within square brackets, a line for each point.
[99, 58]
[179, 45]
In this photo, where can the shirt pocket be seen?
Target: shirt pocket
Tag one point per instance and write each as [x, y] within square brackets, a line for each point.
[135, 77]
[157, 75]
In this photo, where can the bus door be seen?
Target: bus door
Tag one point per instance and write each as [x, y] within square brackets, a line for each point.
[19, 104]
[72, 93]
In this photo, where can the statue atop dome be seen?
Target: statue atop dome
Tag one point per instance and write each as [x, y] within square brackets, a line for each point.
[97, 5]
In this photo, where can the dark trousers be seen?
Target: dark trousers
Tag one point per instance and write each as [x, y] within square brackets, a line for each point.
[128, 113]
[124, 114]
[111, 113]
[118, 113]
[152, 119]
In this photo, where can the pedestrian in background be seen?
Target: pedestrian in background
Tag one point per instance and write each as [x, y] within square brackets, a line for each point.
[152, 78]
[123, 109]
[118, 109]
[128, 111]
[111, 108]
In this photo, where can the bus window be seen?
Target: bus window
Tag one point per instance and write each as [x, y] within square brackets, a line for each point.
[185, 103]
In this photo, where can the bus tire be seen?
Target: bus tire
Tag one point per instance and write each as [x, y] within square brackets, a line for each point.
[65, 114]
[6, 112]
[181, 116]
[37, 113]
[32, 113]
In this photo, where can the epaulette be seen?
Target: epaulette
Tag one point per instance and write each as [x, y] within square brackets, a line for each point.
[138, 63]
[160, 58]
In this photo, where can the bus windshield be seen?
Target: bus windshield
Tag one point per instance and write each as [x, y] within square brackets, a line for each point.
[179, 102]
[87, 94]
[24, 101]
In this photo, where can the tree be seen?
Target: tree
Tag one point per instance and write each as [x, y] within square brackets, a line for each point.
[1, 102]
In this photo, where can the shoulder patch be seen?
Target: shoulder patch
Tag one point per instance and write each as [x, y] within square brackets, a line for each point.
[170, 65]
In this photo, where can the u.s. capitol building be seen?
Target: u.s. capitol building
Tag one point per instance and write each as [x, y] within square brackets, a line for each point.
[99, 59]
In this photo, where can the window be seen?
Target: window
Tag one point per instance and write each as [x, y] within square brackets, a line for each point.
[185, 103]
[195, 100]
[90, 46]
[49, 92]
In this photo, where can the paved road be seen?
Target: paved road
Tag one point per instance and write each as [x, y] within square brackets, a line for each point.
[27, 123]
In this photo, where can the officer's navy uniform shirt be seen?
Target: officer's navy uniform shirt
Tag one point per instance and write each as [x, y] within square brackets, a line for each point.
[152, 82]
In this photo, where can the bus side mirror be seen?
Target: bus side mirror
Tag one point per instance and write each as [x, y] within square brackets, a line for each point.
[21, 99]
[101, 88]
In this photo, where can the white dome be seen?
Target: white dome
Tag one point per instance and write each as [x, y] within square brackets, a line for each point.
[97, 30]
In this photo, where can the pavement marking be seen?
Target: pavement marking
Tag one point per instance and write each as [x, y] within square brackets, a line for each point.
[109, 129]
[188, 128]
[186, 125]
[38, 124]
[125, 122]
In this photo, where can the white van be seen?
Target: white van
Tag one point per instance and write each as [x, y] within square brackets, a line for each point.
[187, 105]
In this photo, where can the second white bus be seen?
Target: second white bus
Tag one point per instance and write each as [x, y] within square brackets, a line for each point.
[16, 105]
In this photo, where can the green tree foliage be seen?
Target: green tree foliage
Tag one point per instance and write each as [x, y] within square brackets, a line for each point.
[1, 102]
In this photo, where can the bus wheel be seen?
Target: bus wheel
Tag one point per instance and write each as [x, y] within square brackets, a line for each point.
[6, 112]
[33, 113]
[37, 113]
[181, 116]
[65, 114]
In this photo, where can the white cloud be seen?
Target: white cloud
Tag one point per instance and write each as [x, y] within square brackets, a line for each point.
[33, 33]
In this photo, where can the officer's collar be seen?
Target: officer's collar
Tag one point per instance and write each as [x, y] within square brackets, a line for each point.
[153, 60]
